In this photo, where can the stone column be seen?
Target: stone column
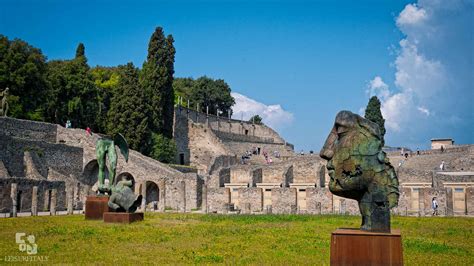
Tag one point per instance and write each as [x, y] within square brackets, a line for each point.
[421, 202]
[163, 196]
[34, 201]
[143, 207]
[183, 189]
[449, 202]
[70, 199]
[197, 113]
[46, 204]
[13, 195]
[187, 111]
[204, 198]
[54, 194]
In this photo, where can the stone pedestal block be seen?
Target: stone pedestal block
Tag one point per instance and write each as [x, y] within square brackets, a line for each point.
[96, 206]
[356, 247]
[122, 217]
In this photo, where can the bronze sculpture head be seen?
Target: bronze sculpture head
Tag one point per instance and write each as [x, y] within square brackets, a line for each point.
[360, 170]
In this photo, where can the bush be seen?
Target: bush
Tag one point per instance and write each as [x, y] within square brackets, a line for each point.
[163, 149]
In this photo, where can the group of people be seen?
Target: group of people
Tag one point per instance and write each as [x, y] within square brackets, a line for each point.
[256, 151]
[69, 125]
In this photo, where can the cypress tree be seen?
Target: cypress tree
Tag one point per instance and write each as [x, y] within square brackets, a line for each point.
[373, 113]
[80, 50]
[157, 81]
[128, 111]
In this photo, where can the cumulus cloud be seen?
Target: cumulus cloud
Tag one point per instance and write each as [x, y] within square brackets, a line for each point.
[378, 87]
[412, 14]
[434, 71]
[272, 115]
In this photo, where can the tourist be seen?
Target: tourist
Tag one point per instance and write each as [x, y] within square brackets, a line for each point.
[434, 205]
[89, 131]
[441, 166]
[417, 151]
[442, 148]
[68, 124]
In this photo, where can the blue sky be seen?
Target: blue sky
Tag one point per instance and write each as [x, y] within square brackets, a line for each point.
[296, 62]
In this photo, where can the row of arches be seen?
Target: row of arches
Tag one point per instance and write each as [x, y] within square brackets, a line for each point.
[152, 190]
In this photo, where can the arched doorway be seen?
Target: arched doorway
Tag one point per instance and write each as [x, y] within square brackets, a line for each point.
[126, 176]
[91, 172]
[152, 195]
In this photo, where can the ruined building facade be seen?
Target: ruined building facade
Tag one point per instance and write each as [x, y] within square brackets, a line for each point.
[49, 168]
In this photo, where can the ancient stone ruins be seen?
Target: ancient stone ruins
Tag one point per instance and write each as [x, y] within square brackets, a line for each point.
[49, 169]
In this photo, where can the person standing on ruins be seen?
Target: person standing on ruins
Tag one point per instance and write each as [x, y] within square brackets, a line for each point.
[434, 205]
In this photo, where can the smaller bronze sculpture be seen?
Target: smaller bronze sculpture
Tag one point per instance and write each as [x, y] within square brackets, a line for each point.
[123, 199]
[4, 109]
[360, 170]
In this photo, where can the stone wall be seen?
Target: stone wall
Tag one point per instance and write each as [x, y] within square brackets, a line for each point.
[470, 200]
[25, 189]
[251, 200]
[26, 129]
[218, 200]
[62, 158]
[284, 201]
[318, 200]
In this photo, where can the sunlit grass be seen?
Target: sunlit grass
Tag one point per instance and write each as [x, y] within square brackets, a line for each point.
[245, 239]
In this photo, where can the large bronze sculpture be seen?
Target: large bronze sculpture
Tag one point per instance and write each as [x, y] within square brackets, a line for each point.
[122, 197]
[360, 170]
[4, 107]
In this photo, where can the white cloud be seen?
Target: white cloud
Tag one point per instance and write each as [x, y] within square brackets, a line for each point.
[379, 88]
[273, 115]
[434, 72]
[423, 110]
[412, 14]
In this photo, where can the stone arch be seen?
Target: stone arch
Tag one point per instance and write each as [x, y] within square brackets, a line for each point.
[152, 194]
[126, 176]
[91, 172]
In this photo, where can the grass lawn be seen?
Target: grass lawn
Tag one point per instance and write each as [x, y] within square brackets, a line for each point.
[195, 238]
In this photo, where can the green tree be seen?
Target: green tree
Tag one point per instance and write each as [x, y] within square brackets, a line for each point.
[213, 93]
[206, 92]
[73, 95]
[182, 88]
[163, 149]
[256, 119]
[128, 110]
[106, 80]
[80, 50]
[373, 113]
[23, 70]
[157, 81]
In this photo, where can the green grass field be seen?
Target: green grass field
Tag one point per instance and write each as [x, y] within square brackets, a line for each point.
[194, 238]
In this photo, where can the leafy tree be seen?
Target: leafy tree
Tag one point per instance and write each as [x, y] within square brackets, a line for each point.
[256, 119]
[213, 93]
[128, 110]
[106, 80]
[73, 95]
[157, 81]
[373, 113]
[182, 88]
[206, 92]
[23, 70]
[163, 149]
